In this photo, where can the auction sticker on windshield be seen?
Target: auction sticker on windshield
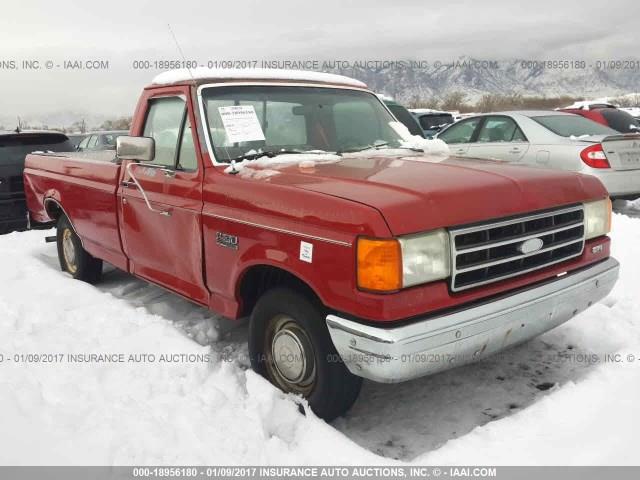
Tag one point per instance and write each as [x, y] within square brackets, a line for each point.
[241, 123]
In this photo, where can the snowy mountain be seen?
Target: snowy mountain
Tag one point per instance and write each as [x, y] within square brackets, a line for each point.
[476, 78]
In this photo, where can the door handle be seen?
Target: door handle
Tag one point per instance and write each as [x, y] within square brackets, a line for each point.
[169, 173]
[164, 213]
[126, 184]
[515, 150]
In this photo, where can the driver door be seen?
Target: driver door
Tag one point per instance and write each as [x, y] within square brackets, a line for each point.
[163, 239]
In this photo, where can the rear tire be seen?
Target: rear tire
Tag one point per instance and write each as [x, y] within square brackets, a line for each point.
[290, 346]
[74, 259]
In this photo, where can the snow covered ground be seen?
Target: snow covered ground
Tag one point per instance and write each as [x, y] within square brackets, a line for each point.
[552, 401]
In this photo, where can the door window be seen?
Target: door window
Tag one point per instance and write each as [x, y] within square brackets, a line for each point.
[163, 124]
[500, 129]
[461, 132]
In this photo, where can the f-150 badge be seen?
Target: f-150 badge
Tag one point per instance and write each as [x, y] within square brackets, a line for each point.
[226, 240]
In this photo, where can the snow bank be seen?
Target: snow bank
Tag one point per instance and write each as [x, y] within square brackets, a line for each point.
[136, 412]
[207, 408]
[590, 422]
[182, 75]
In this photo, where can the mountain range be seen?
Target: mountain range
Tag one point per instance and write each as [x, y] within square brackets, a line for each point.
[472, 77]
[476, 78]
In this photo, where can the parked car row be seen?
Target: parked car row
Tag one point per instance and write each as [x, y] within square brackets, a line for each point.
[552, 139]
[92, 141]
[593, 138]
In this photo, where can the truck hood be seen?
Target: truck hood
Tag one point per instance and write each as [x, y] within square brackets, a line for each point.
[419, 193]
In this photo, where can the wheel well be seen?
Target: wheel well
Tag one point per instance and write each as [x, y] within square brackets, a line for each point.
[53, 209]
[258, 279]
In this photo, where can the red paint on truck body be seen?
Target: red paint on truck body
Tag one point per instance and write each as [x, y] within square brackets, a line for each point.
[328, 206]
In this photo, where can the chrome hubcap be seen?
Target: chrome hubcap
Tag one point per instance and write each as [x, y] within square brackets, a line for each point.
[288, 355]
[69, 250]
[292, 359]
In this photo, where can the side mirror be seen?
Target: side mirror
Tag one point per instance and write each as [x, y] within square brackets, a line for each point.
[135, 148]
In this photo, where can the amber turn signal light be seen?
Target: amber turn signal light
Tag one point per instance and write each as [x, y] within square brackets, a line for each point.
[379, 265]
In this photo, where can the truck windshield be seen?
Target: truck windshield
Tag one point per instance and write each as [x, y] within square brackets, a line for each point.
[14, 147]
[245, 119]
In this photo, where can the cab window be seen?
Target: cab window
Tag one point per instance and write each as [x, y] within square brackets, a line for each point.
[168, 124]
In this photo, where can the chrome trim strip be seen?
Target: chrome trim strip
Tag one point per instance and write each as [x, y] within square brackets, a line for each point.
[203, 118]
[517, 257]
[435, 343]
[542, 233]
[280, 230]
[453, 233]
[519, 219]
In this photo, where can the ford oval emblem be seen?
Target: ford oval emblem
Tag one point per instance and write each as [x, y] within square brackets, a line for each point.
[530, 246]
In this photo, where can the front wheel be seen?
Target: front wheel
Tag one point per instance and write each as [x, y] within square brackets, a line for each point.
[290, 346]
[74, 259]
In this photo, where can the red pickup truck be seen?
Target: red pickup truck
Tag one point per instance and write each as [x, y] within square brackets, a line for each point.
[297, 200]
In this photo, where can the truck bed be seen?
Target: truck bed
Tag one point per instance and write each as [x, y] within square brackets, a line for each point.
[86, 184]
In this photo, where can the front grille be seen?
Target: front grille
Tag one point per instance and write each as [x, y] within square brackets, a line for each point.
[493, 251]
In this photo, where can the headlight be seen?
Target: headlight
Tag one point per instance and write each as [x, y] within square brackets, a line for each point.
[425, 257]
[597, 218]
[387, 265]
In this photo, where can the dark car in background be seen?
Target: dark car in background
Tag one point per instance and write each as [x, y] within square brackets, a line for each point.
[404, 116]
[14, 147]
[105, 140]
[609, 116]
[432, 121]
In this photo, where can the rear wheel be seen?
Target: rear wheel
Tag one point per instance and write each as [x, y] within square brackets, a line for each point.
[290, 345]
[74, 259]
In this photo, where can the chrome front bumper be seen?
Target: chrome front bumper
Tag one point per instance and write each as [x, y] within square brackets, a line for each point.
[392, 355]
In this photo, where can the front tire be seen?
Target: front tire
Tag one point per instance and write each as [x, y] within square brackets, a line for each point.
[290, 346]
[74, 259]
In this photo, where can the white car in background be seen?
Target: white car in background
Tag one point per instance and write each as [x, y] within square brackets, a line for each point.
[550, 139]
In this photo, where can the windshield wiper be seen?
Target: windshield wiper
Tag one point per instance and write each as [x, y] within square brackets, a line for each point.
[376, 146]
[275, 153]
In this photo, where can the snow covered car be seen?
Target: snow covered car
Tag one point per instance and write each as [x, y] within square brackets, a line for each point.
[357, 250]
[432, 121]
[551, 139]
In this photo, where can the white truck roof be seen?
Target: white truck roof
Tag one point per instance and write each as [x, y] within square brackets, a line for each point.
[183, 75]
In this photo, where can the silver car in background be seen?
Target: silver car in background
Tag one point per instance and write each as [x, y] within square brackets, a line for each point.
[550, 139]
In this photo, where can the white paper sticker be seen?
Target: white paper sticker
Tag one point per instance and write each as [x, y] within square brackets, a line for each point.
[306, 252]
[241, 123]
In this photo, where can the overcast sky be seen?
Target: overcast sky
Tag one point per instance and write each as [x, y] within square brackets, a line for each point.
[124, 31]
